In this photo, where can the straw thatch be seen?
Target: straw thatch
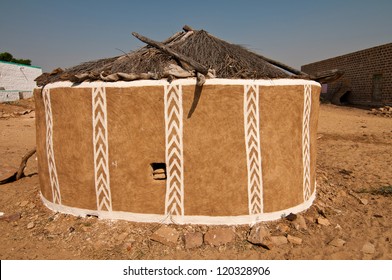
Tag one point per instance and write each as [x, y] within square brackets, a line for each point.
[224, 60]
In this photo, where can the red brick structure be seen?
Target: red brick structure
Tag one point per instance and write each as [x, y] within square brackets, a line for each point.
[367, 79]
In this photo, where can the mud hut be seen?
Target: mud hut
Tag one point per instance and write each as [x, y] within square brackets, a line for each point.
[190, 130]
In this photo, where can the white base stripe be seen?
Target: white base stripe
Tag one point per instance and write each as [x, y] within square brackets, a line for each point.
[206, 220]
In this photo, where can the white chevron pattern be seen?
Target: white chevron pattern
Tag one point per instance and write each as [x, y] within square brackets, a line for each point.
[306, 141]
[101, 150]
[253, 152]
[174, 201]
[54, 182]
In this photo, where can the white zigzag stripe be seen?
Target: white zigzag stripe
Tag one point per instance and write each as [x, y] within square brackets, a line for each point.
[54, 183]
[306, 141]
[174, 201]
[101, 150]
[253, 152]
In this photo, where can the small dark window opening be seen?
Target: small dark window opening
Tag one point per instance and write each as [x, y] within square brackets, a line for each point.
[158, 170]
[345, 98]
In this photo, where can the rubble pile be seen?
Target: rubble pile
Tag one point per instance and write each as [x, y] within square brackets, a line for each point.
[385, 111]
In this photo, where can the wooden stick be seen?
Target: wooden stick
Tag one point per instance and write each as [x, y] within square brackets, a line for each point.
[23, 164]
[20, 173]
[282, 65]
[187, 28]
[173, 37]
[194, 64]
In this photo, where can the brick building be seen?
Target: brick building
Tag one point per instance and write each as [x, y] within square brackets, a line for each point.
[367, 78]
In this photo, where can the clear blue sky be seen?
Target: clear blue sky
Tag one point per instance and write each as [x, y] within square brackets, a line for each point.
[65, 33]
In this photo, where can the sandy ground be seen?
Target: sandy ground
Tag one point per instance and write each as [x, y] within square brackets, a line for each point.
[350, 219]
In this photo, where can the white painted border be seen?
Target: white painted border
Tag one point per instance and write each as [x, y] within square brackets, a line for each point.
[191, 81]
[167, 219]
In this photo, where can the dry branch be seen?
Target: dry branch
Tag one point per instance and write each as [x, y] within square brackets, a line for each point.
[187, 28]
[20, 172]
[283, 66]
[23, 164]
[189, 61]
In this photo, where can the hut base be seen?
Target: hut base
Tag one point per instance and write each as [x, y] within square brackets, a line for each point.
[167, 219]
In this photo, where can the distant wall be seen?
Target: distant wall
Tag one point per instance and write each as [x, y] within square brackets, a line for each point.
[17, 80]
[369, 73]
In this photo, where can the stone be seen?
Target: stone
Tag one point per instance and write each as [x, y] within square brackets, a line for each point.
[30, 225]
[368, 248]
[122, 236]
[364, 201]
[219, 236]
[300, 223]
[85, 228]
[278, 240]
[23, 203]
[193, 240]
[294, 240]
[99, 244]
[323, 221]
[291, 217]
[159, 171]
[11, 218]
[337, 242]
[128, 246]
[159, 176]
[50, 228]
[345, 172]
[24, 112]
[259, 235]
[166, 235]
[283, 228]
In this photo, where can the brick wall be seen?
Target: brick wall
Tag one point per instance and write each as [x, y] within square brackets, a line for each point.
[364, 70]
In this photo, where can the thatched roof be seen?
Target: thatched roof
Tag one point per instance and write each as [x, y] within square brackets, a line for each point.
[222, 59]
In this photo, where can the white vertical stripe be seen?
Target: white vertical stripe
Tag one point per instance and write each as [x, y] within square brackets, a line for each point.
[306, 141]
[54, 182]
[174, 200]
[101, 149]
[253, 151]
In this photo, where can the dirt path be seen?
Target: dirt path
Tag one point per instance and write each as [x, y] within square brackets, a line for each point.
[350, 218]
